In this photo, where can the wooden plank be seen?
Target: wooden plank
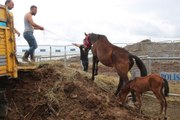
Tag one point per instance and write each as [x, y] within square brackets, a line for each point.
[26, 67]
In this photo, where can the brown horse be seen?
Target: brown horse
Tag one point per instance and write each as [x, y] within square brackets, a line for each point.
[153, 83]
[112, 56]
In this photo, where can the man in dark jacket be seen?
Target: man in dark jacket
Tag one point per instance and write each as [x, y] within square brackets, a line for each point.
[83, 56]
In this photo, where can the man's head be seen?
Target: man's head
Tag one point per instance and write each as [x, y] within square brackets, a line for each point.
[9, 4]
[33, 10]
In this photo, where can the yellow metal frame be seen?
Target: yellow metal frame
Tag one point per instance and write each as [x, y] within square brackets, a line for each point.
[3, 16]
[8, 66]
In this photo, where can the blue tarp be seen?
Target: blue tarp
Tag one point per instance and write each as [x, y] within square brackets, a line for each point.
[3, 24]
[171, 75]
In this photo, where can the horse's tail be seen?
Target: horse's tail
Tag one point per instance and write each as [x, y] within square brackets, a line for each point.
[140, 65]
[166, 87]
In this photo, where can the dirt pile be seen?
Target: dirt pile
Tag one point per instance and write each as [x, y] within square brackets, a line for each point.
[55, 92]
[155, 49]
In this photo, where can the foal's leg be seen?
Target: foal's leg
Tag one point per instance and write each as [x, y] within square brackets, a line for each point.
[165, 109]
[164, 103]
[159, 97]
[133, 96]
[139, 99]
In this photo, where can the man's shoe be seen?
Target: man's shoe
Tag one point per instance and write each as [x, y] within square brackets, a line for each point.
[25, 57]
[32, 58]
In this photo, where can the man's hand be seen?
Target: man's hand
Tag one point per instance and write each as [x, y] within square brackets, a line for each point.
[77, 45]
[74, 44]
[18, 33]
[41, 28]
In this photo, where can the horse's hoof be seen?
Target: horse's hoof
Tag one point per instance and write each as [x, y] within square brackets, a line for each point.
[116, 94]
[165, 118]
[95, 74]
[142, 113]
[121, 105]
[126, 106]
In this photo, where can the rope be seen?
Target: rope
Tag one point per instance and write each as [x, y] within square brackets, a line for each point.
[55, 34]
[46, 30]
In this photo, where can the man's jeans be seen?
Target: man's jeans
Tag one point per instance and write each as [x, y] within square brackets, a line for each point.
[31, 41]
[85, 64]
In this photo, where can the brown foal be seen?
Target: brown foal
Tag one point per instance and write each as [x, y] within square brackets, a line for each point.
[152, 82]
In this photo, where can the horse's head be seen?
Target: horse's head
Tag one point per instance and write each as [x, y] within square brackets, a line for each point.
[90, 39]
[87, 41]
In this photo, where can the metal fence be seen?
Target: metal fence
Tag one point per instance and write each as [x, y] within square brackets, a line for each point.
[166, 48]
[167, 67]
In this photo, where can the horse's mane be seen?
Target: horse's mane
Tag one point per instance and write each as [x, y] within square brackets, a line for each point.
[98, 36]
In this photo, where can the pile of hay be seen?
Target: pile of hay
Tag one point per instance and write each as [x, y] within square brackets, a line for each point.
[54, 91]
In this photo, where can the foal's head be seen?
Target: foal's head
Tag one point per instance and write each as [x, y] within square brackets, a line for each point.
[124, 92]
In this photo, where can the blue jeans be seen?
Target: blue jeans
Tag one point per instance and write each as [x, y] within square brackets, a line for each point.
[31, 41]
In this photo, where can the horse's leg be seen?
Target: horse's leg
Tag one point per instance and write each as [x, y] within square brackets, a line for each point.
[130, 66]
[96, 66]
[122, 81]
[119, 86]
[93, 67]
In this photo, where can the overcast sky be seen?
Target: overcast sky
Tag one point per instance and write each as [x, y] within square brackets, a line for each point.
[65, 21]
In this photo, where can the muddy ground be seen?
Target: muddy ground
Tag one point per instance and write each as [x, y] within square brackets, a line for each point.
[55, 92]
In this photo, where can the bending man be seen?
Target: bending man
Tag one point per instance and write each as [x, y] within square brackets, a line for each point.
[83, 56]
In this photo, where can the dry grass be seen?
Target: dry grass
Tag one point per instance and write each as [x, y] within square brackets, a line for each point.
[107, 83]
[174, 87]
